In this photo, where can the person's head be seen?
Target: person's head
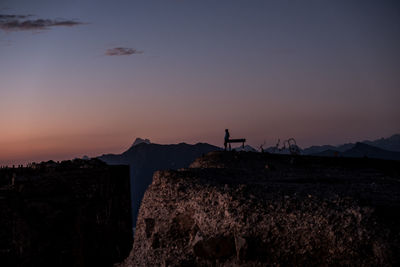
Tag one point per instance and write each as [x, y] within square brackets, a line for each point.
[226, 130]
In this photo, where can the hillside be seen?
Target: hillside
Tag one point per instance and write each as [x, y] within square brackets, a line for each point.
[253, 209]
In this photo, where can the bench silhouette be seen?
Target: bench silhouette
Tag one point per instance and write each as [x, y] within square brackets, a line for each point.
[241, 140]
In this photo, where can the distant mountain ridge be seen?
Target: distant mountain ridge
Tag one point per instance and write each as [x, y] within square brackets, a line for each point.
[144, 158]
[365, 150]
[384, 148]
[391, 143]
[361, 150]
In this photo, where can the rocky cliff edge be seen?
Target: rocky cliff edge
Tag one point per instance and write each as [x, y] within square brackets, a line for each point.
[253, 209]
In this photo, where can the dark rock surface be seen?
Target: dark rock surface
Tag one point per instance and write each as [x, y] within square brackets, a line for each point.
[75, 213]
[253, 209]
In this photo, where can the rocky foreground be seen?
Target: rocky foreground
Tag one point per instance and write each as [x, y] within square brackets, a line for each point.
[73, 213]
[252, 209]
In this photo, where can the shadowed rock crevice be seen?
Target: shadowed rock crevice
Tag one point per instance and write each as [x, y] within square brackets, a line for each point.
[149, 226]
[215, 248]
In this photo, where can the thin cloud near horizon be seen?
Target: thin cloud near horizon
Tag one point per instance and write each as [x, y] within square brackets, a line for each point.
[11, 23]
[122, 51]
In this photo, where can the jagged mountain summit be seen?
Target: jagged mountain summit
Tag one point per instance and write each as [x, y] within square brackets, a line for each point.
[140, 141]
[144, 158]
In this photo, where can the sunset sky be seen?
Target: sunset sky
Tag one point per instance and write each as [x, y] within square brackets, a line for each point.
[86, 77]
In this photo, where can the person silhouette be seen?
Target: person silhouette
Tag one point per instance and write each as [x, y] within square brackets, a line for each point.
[226, 140]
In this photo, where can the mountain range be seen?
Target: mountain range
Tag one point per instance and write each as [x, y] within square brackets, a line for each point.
[384, 148]
[360, 150]
[391, 143]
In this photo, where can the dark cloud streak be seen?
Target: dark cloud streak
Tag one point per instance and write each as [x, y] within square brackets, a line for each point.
[122, 51]
[21, 23]
[3, 16]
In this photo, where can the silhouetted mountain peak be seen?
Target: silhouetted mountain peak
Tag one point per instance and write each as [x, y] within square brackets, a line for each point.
[140, 141]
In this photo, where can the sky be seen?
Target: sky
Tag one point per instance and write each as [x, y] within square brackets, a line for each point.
[86, 77]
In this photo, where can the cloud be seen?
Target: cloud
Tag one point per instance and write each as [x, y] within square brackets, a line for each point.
[122, 51]
[22, 23]
[3, 16]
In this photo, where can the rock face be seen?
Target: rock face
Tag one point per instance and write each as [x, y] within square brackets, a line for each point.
[253, 209]
[68, 214]
[145, 158]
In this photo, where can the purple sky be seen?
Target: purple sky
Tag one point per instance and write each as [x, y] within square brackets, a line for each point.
[88, 77]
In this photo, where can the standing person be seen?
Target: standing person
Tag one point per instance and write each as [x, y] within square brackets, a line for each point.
[226, 140]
